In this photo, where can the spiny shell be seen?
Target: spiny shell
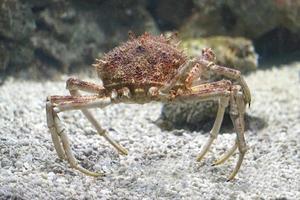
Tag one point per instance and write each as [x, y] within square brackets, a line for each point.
[145, 60]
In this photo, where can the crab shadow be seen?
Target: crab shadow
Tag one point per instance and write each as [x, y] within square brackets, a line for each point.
[252, 123]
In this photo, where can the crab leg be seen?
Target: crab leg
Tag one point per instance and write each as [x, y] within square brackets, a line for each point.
[55, 135]
[77, 104]
[76, 84]
[184, 69]
[218, 90]
[225, 92]
[223, 103]
[237, 111]
[60, 138]
[73, 85]
[229, 73]
[226, 155]
[99, 129]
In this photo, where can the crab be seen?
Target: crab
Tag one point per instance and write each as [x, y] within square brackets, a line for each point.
[153, 68]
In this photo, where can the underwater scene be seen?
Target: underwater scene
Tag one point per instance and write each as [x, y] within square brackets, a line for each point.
[149, 99]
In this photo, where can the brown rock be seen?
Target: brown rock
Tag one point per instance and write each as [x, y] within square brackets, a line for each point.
[250, 19]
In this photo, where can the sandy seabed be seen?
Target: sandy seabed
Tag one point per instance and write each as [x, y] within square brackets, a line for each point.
[161, 164]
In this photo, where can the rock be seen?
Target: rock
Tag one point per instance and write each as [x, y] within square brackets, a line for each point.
[16, 26]
[4, 58]
[15, 56]
[250, 19]
[191, 115]
[207, 20]
[66, 38]
[119, 17]
[41, 37]
[169, 14]
[16, 20]
[291, 10]
[237, 53]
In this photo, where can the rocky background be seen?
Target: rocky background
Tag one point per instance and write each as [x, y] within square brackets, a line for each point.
[40, 38]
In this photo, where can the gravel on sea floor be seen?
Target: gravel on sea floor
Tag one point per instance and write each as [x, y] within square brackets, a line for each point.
[161, 163]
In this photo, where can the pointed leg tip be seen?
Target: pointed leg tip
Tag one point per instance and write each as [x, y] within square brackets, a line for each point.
[95, 174]
[231, 177]
[199, 158]
[99, 174]
[123, 152]
[217, 162]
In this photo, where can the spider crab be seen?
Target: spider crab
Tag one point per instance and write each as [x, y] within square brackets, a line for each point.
[153, 68]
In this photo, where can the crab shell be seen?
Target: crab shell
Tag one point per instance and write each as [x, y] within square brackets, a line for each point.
[140, 62]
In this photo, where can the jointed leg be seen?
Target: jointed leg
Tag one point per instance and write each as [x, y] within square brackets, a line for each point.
[226, 155]
[60, 139]
[183, 70]
[219, 90]
[237, 111]
[73, 85]
[223, 103]
[76, 84]
[55, 134]
[224, 71]
[232, 74]
[99, 129]
[56, 104]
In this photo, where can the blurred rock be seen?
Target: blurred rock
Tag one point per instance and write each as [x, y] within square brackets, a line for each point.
[170, 14]
[65, 35]
[4, 58]
[250, 19]
[236, 53]
[117, 17]
[66, 38]
[16, 26]
[291, 10]
[190, 115]
[16, 20]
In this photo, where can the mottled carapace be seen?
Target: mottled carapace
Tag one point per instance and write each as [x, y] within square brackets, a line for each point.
[141, 61]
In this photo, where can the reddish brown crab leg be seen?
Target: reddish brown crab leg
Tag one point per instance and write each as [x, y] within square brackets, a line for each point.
[225, 92]
[73, 85]
[78, 104]
[237, 111]
[53, 130]
[229, 73]
[184, 69]
[61, 140]
[76, 84]
[99, 129]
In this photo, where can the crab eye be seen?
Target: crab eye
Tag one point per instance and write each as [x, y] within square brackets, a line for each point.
[140, 49]
[208, 54]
